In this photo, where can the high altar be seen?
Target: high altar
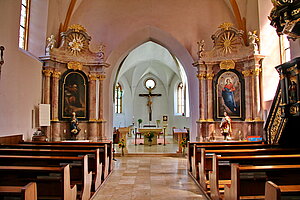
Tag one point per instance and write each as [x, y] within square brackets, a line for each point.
[71, 76]
[230, 78]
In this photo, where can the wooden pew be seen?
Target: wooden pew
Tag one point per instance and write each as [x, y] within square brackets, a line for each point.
[276, 192]
[94, 165]
[190, 148]
[221, 171]
[103, 151]
[207, 159]
[248, 182]
[196, 158]
[109, 147]
[27, 192]
[52, 182]
[78, 173]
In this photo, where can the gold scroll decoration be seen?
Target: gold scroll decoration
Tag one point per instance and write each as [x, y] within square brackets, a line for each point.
[75, 65]
[227, 64]
[77, 28]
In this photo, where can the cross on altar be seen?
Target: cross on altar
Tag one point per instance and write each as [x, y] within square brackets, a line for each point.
[149, 103]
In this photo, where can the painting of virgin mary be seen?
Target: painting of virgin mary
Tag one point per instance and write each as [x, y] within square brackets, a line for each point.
[229, 94]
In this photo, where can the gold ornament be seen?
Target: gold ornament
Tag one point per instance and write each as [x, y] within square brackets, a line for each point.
[210, 76]
[201, 76]
[93, 77]
[77, 28]
[227, 64]
[101, 77]
[56, 74]
[247, 73]
[75, 65]
[226, 25]
[47, 72]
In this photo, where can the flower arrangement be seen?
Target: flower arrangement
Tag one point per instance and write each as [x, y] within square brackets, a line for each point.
[149, 135]
[183, 143]
[122, 143]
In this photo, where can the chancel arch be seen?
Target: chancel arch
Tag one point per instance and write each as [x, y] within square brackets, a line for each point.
[175, 48]
[153, 64]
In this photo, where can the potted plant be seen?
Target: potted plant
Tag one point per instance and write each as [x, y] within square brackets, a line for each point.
[140, 122]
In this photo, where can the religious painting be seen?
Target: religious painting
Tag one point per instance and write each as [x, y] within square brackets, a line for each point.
[73, 95]
[229, 94]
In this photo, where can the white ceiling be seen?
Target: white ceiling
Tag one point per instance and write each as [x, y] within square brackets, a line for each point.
[150, 58]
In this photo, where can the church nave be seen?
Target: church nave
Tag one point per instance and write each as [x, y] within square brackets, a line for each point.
[146, 178]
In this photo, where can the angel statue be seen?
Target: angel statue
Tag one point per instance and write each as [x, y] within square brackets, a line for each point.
[200, 49]
[253, 39]
[51, 42]
[101, 50]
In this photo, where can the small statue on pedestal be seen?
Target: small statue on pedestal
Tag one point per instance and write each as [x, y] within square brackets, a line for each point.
[226, 126]
[74, 126]
[253, 39]
[51, 42]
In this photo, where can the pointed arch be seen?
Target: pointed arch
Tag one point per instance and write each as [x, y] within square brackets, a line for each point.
[150, 33]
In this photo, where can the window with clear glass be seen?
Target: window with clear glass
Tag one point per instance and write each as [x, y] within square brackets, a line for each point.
[150, 83]
[180, 98]
[118, 98]
[24, 24]
[285, 49]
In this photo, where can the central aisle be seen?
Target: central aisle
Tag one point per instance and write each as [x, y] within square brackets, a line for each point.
[145, 178]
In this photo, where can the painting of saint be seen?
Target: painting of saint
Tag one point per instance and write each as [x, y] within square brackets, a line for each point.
[229, 95]
[74, 95]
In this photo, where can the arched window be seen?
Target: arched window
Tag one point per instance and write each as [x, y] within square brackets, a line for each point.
[118, 98]
[24, 24]
[180, 99]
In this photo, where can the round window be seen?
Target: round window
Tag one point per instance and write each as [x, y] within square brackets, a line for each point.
[150, 83]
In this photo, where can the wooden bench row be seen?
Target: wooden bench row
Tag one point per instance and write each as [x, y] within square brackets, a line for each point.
[82, 170]
[215, 172]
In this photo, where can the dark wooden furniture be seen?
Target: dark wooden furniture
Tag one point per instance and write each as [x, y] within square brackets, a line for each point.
[79, 173]
[249, 181]
[278, 192]
[221, 171]
[52, 182]
[27, 192]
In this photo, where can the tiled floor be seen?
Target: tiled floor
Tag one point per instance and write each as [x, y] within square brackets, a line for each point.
[149, 178]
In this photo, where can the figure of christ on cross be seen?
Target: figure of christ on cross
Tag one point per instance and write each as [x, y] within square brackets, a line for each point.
[149, 103]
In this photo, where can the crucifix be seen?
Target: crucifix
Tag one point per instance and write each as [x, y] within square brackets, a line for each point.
[1, 58]
[149, 103]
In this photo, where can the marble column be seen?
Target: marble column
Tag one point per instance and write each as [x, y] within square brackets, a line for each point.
[257, 94]
[210, 106]
[54, 106]
[248, 102]
[46, 97]
[92, 134]
[101, 133]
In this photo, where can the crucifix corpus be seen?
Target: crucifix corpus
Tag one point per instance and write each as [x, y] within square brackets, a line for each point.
[149, 103]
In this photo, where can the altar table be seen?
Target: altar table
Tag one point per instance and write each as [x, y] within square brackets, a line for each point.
[156, 131]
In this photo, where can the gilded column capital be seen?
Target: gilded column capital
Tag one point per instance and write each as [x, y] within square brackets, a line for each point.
[201, 76]
[56, 74]
[47, 72]
[93, 77]
[256, 71]
[101, 77]
[210, 76]
[247, 73]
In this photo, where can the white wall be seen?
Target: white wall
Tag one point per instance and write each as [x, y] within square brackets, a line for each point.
[20, 83]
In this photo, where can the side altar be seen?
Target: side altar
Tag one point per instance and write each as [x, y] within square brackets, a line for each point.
[156, 132]
[73, 78]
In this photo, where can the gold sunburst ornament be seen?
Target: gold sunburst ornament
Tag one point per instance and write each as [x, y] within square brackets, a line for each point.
[76, 43]
[227, 42]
